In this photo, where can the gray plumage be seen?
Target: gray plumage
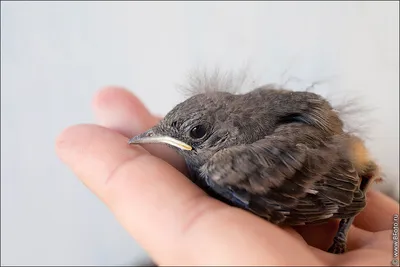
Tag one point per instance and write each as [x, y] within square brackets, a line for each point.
[280, 154]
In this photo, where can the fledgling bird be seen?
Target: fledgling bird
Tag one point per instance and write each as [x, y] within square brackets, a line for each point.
[282, 155]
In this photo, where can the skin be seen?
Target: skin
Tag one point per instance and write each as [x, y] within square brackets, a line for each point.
[177, 223]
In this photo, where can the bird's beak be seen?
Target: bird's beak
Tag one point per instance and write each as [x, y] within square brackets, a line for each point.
[150, 137]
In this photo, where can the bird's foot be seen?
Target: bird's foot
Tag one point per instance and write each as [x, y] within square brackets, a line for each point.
[338, 246]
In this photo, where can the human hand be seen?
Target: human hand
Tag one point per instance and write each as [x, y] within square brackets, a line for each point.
[178, 224]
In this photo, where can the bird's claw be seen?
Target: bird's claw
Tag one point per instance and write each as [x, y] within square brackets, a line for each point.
[338, 246]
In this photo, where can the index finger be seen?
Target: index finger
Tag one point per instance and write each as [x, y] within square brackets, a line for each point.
[118, 109]
[175, 221]
[378, 214]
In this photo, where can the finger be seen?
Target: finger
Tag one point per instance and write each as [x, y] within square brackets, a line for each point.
[169, 216]
[118, 109]
[321, 235]
[375, 250]
[357, 238]
[378, 214]
[130, 181]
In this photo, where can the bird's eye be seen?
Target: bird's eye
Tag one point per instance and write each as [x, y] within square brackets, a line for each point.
[198, 132]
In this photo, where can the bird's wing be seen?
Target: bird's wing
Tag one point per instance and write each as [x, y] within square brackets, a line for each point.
[283, 180]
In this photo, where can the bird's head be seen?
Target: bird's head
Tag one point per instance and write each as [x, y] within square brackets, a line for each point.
[196, 128]
[209, 122]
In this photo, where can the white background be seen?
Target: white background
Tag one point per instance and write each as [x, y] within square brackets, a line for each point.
[55, 55]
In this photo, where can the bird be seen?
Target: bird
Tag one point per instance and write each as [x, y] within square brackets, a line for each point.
[280, 154]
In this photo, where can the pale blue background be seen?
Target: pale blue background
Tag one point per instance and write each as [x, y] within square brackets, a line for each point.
[55, 55]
